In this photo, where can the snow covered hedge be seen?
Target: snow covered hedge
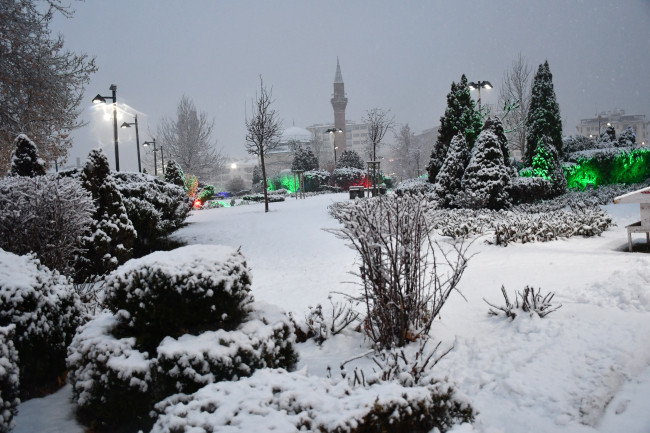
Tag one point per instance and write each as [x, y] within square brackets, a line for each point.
[260, 198]
[315, 178]
[8, 379]
[45, 311]
[348, 176]
[178, 320]
[278, 401]
[414, 186]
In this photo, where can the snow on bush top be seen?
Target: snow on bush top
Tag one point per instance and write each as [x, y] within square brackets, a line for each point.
[8, 379]
[274, 400]
[414, 186]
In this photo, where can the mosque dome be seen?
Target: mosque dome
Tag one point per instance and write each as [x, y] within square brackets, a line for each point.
[296, 133]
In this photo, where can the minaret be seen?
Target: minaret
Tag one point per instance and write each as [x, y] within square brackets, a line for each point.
[339, 102]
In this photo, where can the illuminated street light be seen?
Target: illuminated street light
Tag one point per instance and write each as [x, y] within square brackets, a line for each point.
[98, 100]
[137, 139]
[332, 131]
[478, 86]
[155, 167]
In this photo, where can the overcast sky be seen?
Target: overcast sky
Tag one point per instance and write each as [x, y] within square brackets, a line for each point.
[400, 55]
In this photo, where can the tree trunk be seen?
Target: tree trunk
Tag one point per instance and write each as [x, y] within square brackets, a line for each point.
[266, 197]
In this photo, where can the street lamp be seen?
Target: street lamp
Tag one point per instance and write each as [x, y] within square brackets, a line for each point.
[332, 131]
[137, 139]
[98, 100]
[478, 86]
[155, 167]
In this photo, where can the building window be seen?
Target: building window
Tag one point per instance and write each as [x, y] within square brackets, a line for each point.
[355, 135]
[364, 134]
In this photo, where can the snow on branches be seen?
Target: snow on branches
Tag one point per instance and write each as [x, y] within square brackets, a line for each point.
[527, 301]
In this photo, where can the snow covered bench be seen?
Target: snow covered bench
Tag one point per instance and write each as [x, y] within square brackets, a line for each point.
[642, 197]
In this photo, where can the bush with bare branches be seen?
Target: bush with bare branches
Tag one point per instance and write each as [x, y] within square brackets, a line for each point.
[528, 301]
[406, 275]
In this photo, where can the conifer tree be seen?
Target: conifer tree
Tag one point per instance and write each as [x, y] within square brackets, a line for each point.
[546, 164]
[460, 116]
[25, 160]
[609, 134]
[486, 178]
[257, 175]
[496, 126]
[627, 138]
[112, 234]
[174, 174]
[450, 177]
[543, 118]
[350, 159]
[304, 159]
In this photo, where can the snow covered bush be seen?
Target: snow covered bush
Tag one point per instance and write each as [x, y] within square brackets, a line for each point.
[608, 166]
[281, 191]
[156, 208]
[529, 189]
[526, 301]
[350, 159]
[315, 178]
[9, 379]
[25, 160]
[111, 237]
[346, 177]
[45, 215]
[304, 159]
[279, 401]
[546, 164]
[174, 174]
[448, 181]
[45, 311]
[322, 325]
[414, 186]
[401, 271]
[260, 198]
[178, 320]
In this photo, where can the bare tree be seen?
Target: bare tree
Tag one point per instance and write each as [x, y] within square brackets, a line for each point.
[263, 131]
[378, 125]
[407, 152]
[41, 84]
[515, 94]
[318, 149]
[188, 141]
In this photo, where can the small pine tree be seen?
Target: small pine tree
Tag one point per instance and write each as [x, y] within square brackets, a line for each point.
[25, 160]
[460, 116]
[609, 134]
[304, 159]
[496, 126]
[174, 174]
[112, 234]
[627, 138]
[350, 159]
[546, 164]
[451, 174]
[543, 118]
[486, 178]
[257, 175]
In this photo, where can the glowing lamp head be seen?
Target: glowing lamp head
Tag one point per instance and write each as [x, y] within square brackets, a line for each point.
[125, 125]
[609, 124]
[472, 85]
[487, 85]
[98, 99]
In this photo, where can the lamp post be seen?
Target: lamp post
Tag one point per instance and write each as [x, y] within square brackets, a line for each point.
[137, 139]
[98, 99]
[332, 131]
[478, 86]
[155, 165]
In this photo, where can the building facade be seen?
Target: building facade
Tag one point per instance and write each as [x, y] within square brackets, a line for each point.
[619, 120]
[356, 137]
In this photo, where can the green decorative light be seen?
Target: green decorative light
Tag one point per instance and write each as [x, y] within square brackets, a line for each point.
[627, 167]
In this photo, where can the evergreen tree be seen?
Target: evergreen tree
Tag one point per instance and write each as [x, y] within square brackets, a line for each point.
[112, 234]
[25, 160]
[449, 180]
[627, 138]
[546, 164]
[304, 159]
[460, 116]
[257, 175]
[543, 118]
[174, 174]
[486, 178]
[350, 159]
[609, 134]
[496, 126]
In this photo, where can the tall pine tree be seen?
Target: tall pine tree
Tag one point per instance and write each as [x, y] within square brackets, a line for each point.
[25, 160]
[112, 234]
[449, 180]
[543, 118]
[486, 178]
[304, 159]
[460, 116]
[257, 175]
[546, 164]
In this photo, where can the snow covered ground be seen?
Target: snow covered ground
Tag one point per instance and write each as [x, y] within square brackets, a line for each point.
[584, 368]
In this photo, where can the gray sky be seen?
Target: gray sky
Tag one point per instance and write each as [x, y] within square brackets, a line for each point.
[401, 55]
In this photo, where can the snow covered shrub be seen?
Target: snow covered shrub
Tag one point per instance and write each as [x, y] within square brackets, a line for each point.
[546, 164]
[8, 379]
[346, 177]
[315, 178]
[174, 174]
[414, 186]
[281, 191]
[25, 160]
[112, 235]
[171, 293]
[330, 188]
[627, 138]
[279, 401]
[448, 181]
[321, 325]
[304, 159]
[577, 143]
[260, 198]
[156, 208]
[527, 301]
[45, 311]
[45, 215]
[608, 166]
[403, 283]
[350, 159]
[529, 189]
[178, 320]
[205, 193]
[236, 184]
